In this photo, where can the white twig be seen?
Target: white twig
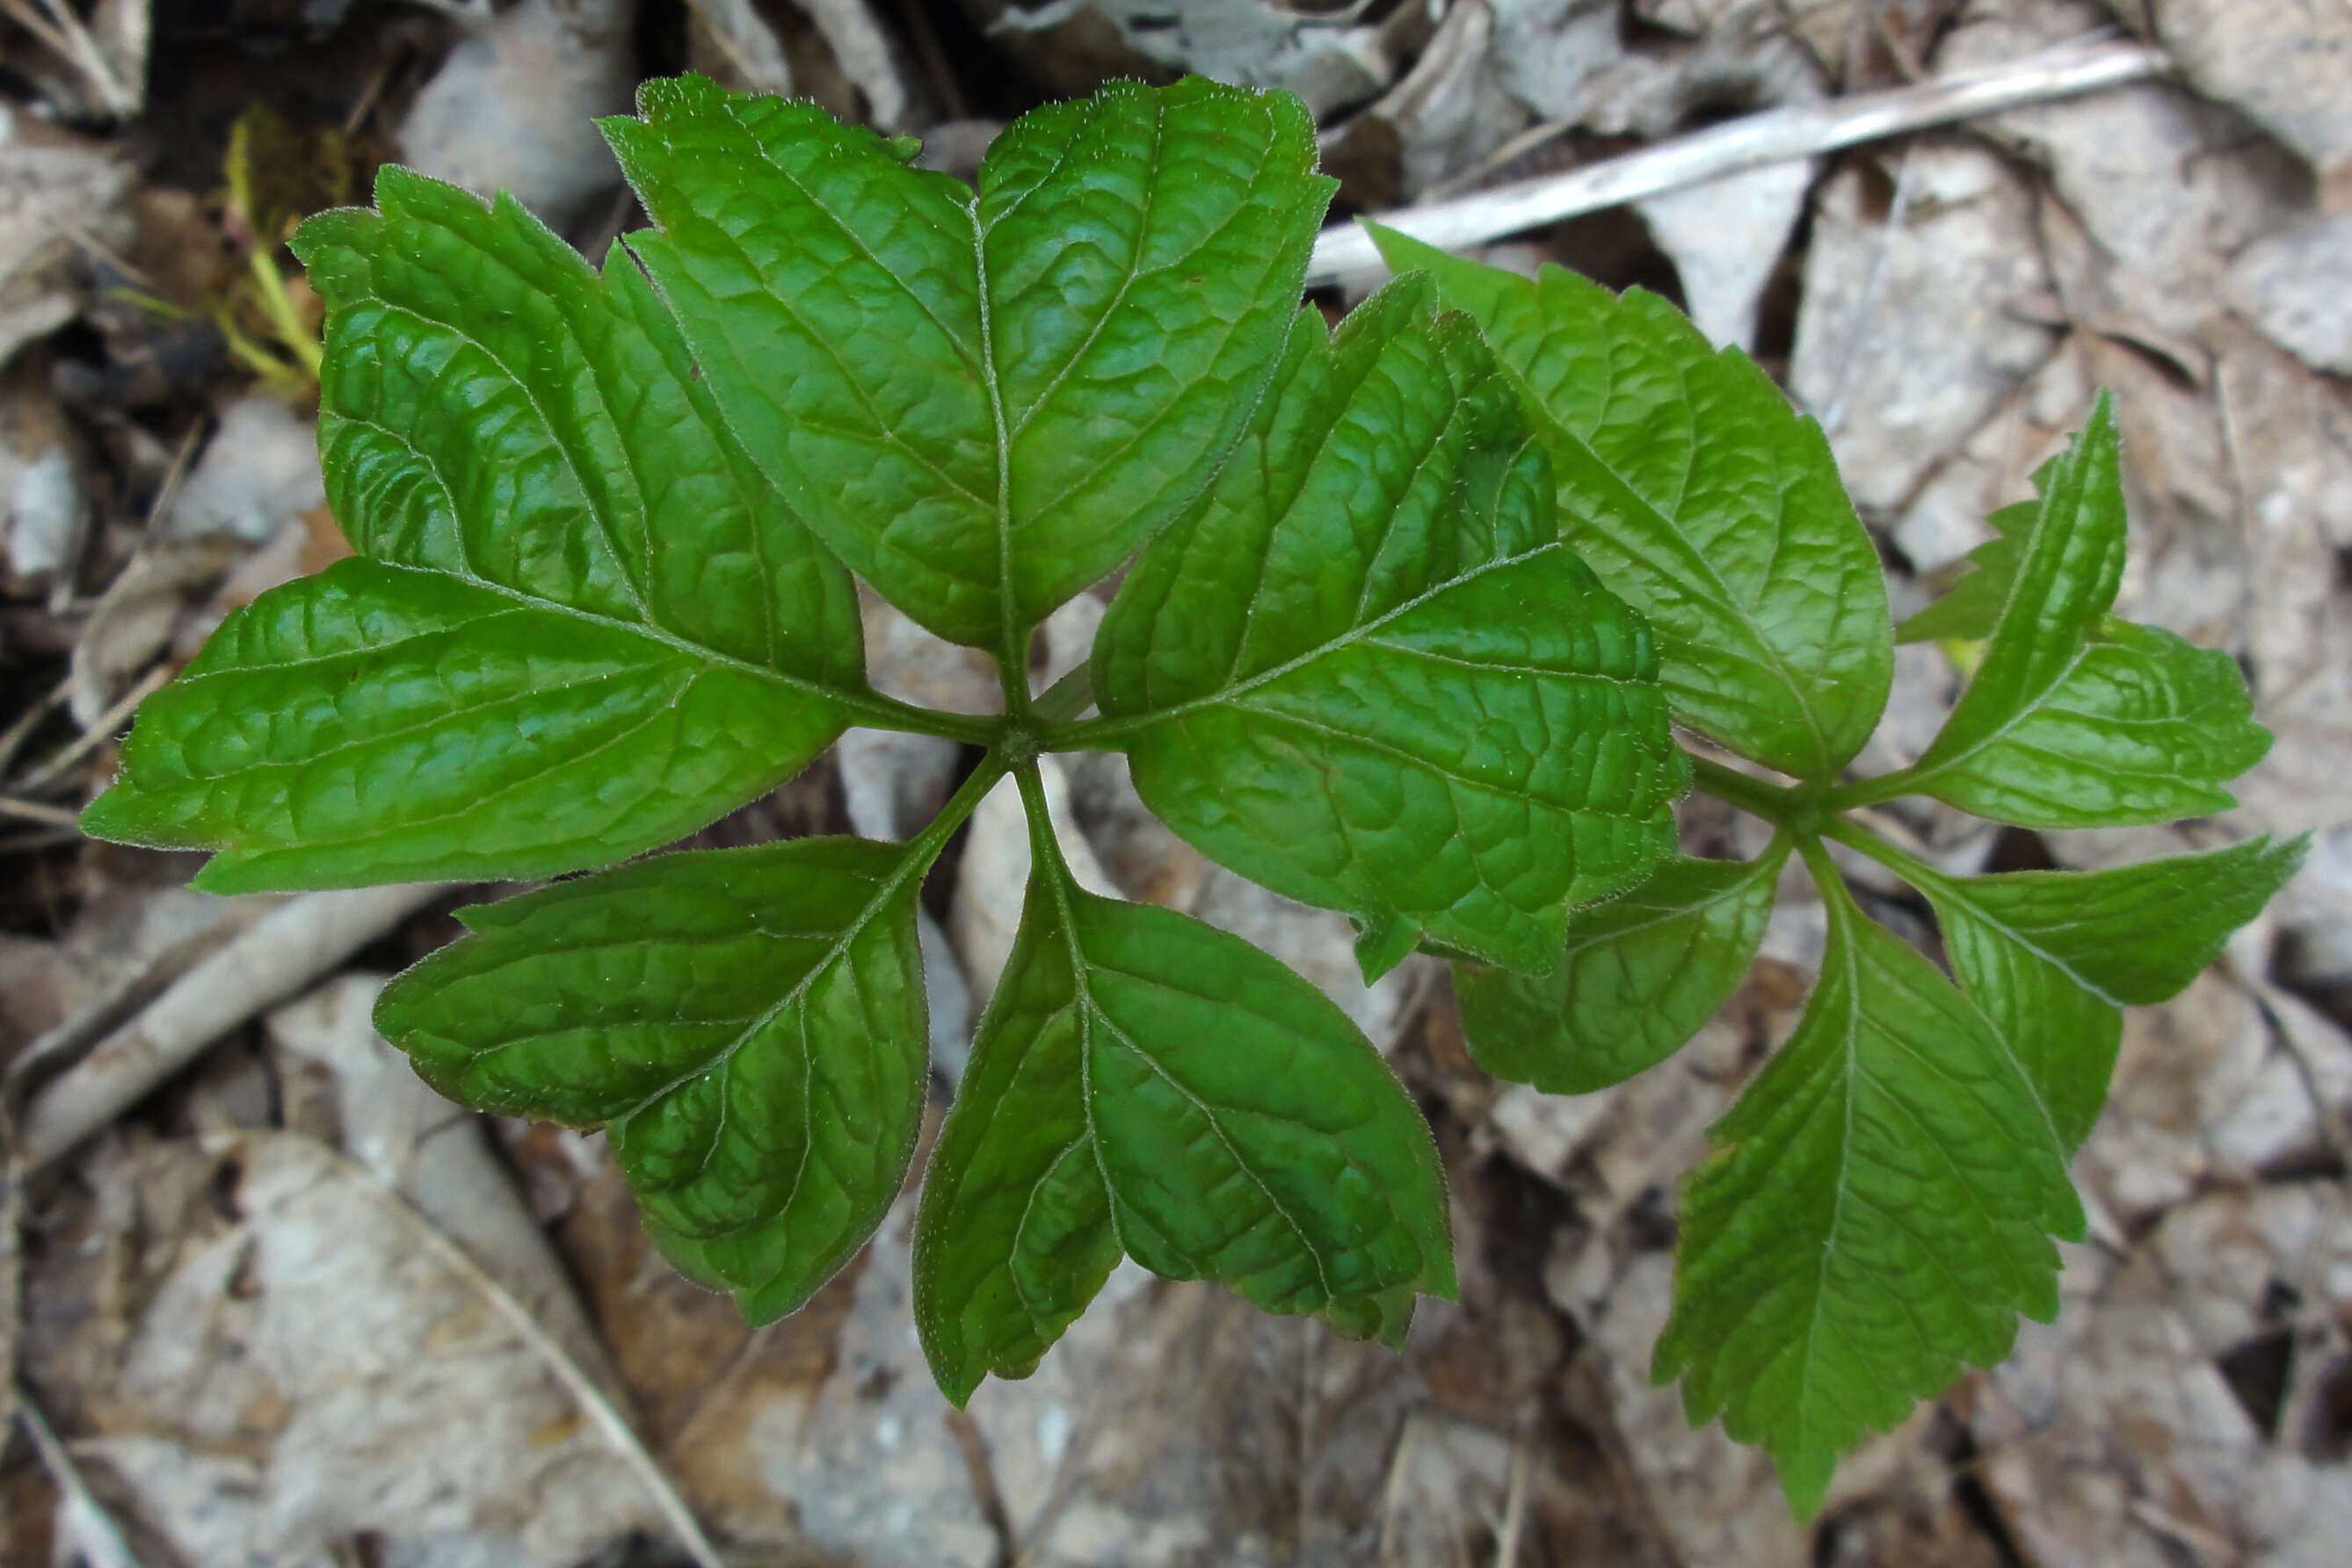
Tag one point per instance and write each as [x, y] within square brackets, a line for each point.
[85, 1521]
[1775, 136]
[63, 32]
[109, 723]
[1515, 1506]
[278, 956]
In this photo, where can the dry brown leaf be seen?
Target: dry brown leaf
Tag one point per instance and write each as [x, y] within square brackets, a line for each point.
[2282, 63]
[1914, 328]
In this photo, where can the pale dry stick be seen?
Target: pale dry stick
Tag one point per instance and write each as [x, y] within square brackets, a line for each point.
[1515, 1505]
[12, 739]
[52, 1052]
[743, 36]
[47, 815]
[1393, 1492]
[84, 1521]
[97, 735]
[616, 1431]
[278, 956]
[33, 22]
[1775, 136]
[56, 26]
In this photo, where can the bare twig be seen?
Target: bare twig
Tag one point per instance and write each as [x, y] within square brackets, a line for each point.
[38, 811]
[1515, 1506]
[57, 25]
[278, 956]
[12, 739]
[86, 1523]
[1775, 136]
[108, 724]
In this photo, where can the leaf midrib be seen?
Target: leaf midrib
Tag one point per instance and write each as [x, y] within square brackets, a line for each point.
[1127, 723]
[860, 698]
[1695, 565]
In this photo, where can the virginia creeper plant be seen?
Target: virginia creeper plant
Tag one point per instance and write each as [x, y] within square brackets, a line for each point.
[1411, 608]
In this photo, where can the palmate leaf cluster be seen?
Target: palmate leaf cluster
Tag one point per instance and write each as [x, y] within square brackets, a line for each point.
[1408, 611]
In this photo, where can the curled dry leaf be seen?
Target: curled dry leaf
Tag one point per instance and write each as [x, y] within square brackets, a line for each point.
[1914, 326]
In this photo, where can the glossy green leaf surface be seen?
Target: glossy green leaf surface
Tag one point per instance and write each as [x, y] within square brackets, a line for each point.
[1691, 487]
[2053, 957]
[582, 623]
[1148, 1085]
[2074, 718]
[1970, 608]
[1369, 674]
[1640, 975]
[2060, 586]
[377, 723]
[981, 404]
[748, 1025]
[2142, 727]
[1878, 1209]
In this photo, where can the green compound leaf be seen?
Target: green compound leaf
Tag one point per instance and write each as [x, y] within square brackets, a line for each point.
[1641, 974]
[1369, 674]
[1148, 1085]
[2074, 718]
[748, 1025]
[2053, 957]
[1877, 1210]
[983, 405]
[582, 624]
[1691, 487]
[1969, 609]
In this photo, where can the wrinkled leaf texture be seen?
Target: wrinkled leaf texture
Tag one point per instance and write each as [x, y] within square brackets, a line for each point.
[1878, 1209]
[981, 404]
[1369, 674]
[748, 1025]
[2074, 718]
[1147, 1085]
[580, 624]
[2053, 957]
[1690, 486]
[1641, 975]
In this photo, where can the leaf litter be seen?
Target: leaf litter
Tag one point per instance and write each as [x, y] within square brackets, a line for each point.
[2168, 240]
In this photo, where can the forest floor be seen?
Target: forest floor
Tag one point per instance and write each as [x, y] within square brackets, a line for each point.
[269, 1301]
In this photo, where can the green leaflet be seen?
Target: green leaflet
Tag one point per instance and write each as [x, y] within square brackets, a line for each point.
[2061, 584]
[1688, 484]
[2073, 719]
[1878, 1210]
[1640, 975]
[1146, 1084]
[981, 404]
[377, 723]
[748, 1023]
[1969, 609]
[1368, 673]
[583, 624]
[2142, 727]
[2053, 957]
